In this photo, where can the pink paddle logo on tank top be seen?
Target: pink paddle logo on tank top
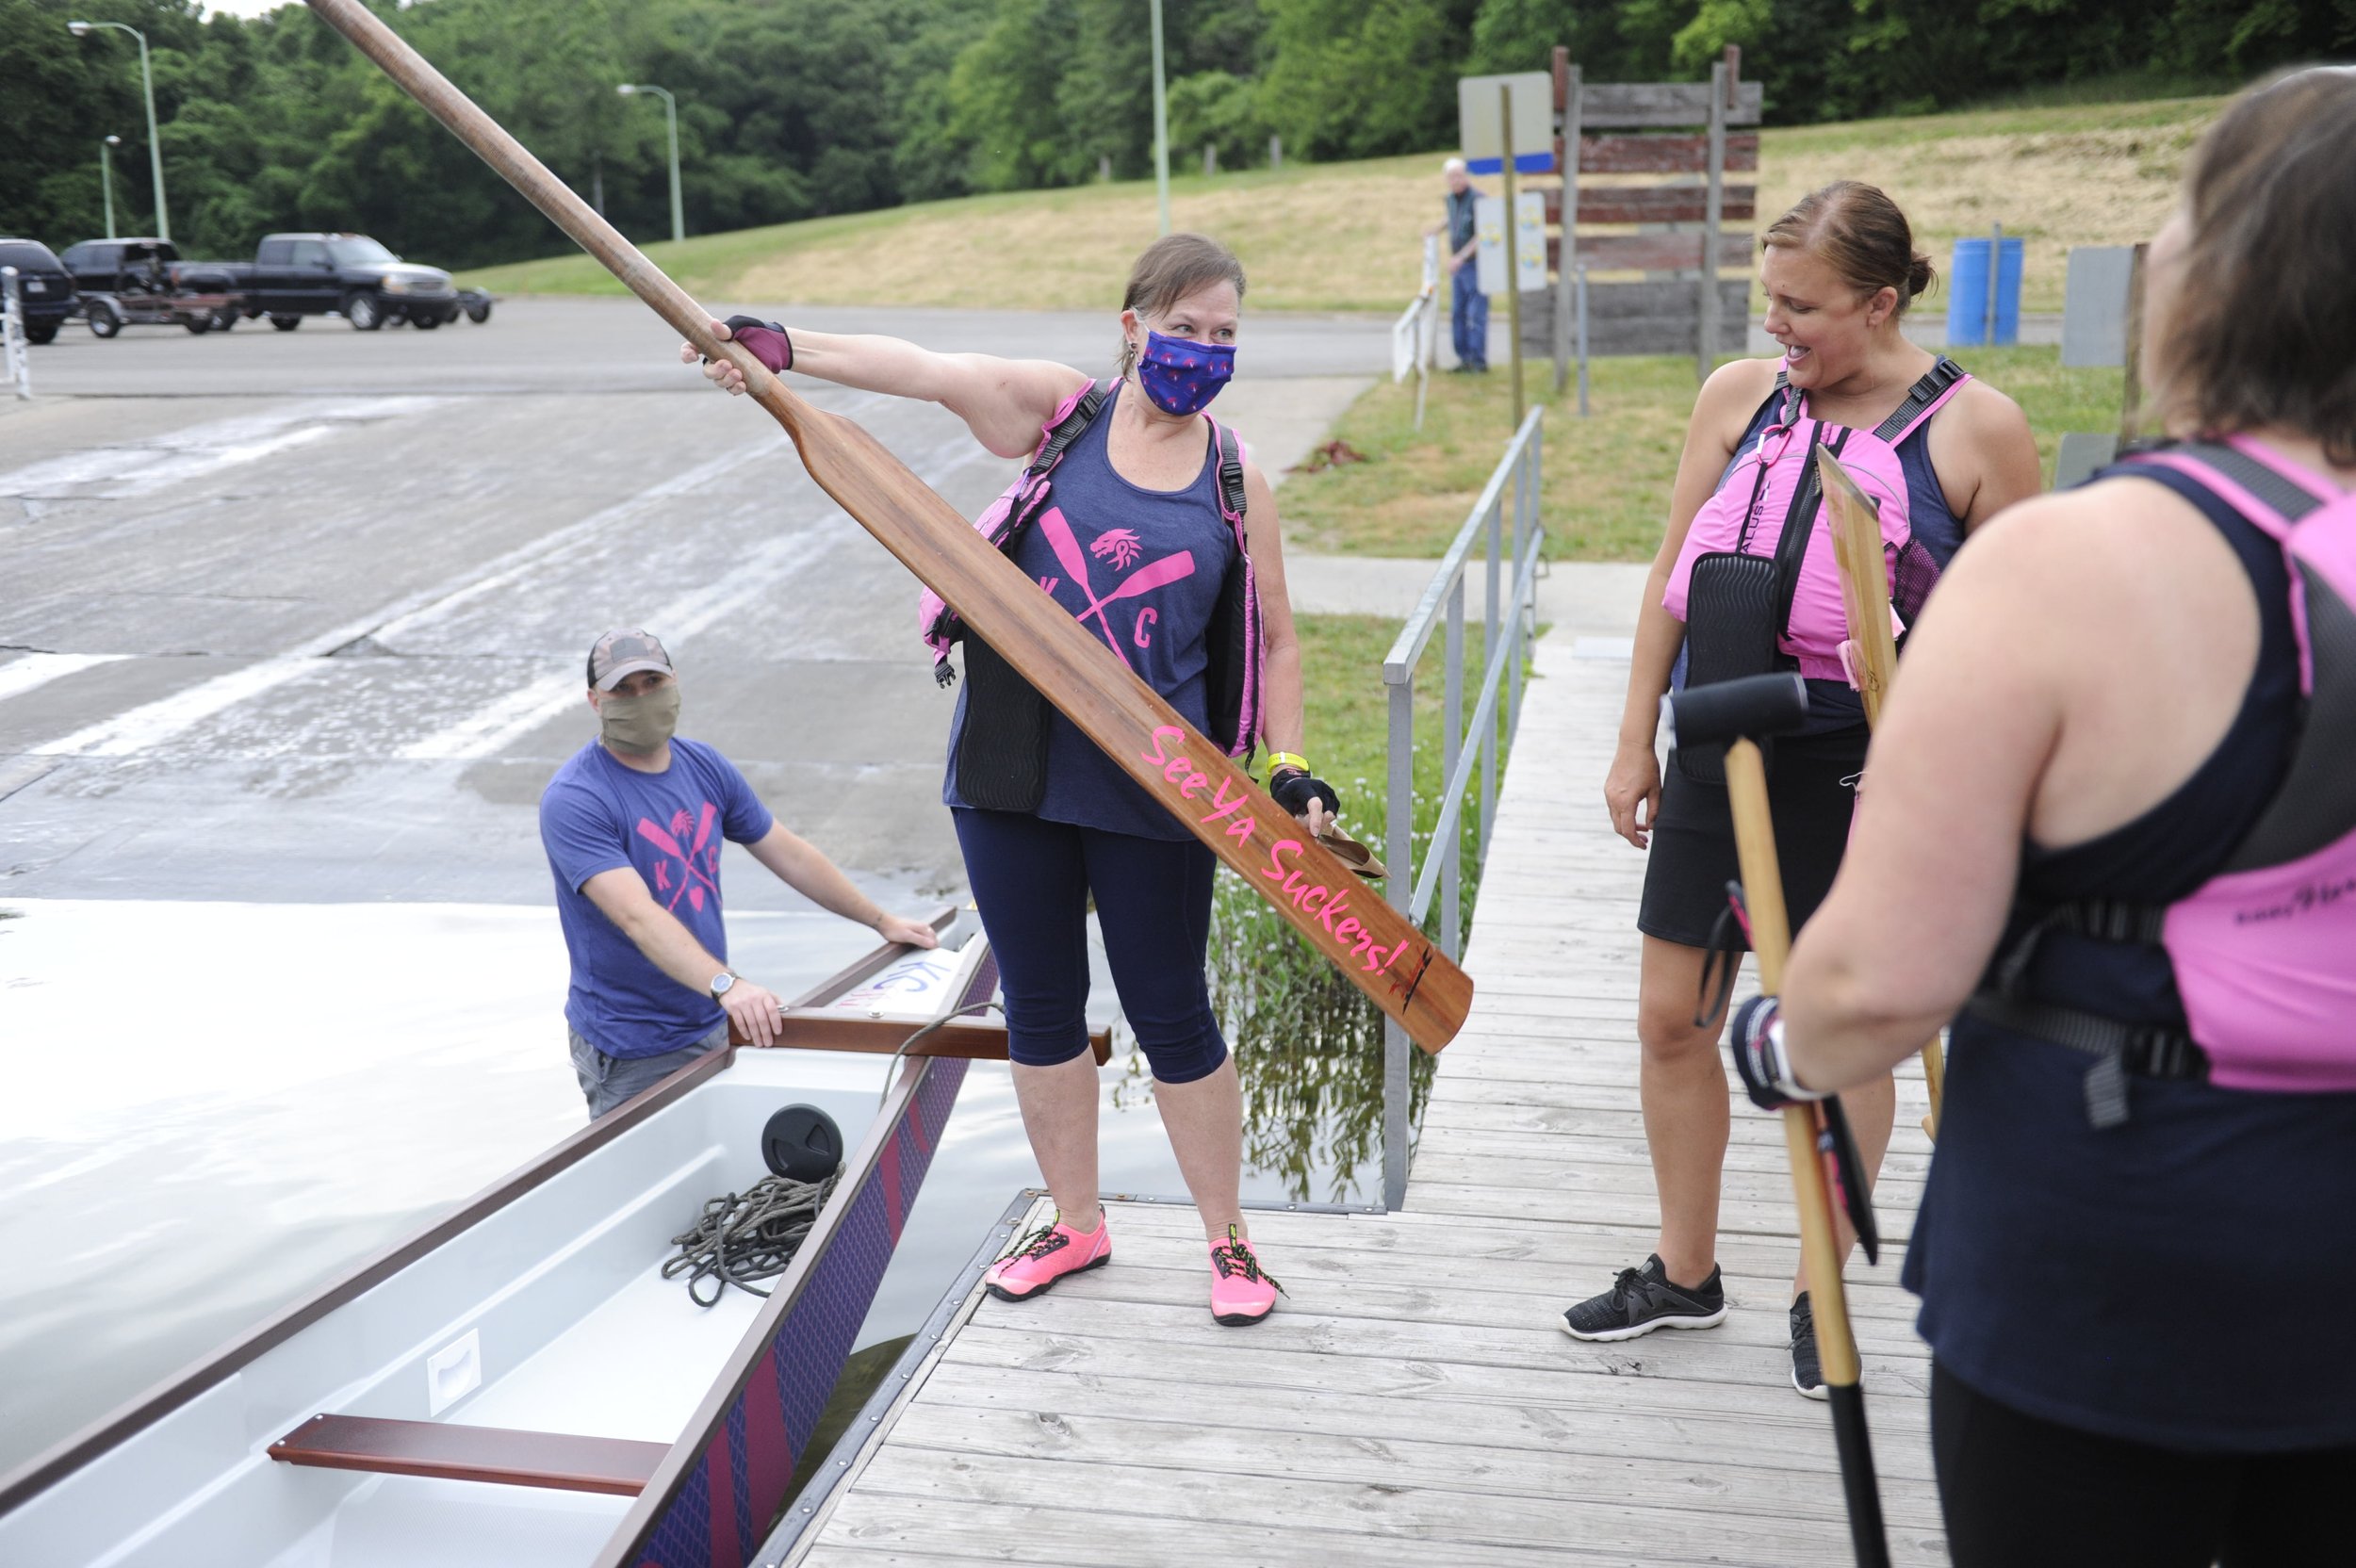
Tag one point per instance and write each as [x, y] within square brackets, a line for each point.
[1024, 503]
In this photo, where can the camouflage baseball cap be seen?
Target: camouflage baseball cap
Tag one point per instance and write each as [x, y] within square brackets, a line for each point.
[619, 654]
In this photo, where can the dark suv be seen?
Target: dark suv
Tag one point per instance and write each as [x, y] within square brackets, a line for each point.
[44, 285]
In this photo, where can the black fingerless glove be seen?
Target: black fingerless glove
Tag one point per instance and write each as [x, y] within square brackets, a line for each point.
[766, 339]
[1757, 1043]
[1295, 791]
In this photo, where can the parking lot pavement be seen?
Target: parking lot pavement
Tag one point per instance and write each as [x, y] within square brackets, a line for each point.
[301, 616]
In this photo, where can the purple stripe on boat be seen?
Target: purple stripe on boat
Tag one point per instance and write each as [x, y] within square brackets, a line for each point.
[755, 1449]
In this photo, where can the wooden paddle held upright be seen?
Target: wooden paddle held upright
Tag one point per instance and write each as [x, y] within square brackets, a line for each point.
[1820, 1241]
[1857, 546]
[1376, 947]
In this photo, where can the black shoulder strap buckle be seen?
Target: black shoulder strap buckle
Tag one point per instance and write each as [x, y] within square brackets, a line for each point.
[1924, 392]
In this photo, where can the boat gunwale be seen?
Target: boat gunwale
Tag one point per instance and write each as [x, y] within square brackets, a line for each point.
[46, 1469]
[630, 1541]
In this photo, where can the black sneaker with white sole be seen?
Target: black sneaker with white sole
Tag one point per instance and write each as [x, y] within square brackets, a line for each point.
[1807, 1372]
[1642, 1300]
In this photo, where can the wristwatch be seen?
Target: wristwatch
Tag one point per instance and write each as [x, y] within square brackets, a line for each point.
[720, 984]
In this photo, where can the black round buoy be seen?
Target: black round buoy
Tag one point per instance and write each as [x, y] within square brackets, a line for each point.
[802, 1144]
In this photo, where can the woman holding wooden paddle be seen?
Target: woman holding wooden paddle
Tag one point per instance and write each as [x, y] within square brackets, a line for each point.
[1141, 515]
[2132, 715]
[1745, 583]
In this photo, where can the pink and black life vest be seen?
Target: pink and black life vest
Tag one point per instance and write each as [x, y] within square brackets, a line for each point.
[1759, 554]
[1233, 676]
[2263, 953]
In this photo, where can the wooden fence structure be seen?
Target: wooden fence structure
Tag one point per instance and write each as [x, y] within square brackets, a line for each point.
[1682, 304]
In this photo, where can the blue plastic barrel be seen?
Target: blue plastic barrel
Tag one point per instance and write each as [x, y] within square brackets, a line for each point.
[1967, 294]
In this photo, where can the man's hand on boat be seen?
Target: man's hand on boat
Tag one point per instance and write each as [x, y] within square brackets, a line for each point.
[753, 1008]
[908, 933]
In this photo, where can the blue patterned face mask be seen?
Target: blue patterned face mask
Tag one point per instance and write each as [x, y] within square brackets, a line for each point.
[1181, 377]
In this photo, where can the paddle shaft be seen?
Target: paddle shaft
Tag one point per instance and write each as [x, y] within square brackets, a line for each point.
[1820, 1254]
[1857, 549]
[1382, 953]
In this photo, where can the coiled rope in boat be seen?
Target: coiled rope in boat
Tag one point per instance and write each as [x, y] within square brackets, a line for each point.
[746, 1236]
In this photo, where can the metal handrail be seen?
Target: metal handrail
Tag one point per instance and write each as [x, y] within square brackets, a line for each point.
[1521, 468]
[1485, 711]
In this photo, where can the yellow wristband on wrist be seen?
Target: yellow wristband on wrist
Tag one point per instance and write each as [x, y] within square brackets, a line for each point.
[1287, 760]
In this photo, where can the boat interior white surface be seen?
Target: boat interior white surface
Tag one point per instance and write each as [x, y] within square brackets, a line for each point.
[549, 1314]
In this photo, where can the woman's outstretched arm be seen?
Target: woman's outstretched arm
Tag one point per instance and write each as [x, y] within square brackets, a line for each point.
[1003, 402]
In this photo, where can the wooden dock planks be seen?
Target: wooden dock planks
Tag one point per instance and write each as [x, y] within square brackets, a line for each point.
[1412, 1402]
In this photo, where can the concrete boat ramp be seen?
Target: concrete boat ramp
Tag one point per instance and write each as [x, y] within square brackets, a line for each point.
[1413, 1401]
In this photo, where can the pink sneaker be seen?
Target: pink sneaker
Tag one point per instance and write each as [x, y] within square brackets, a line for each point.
[1241, 1293]
[1046, 1255]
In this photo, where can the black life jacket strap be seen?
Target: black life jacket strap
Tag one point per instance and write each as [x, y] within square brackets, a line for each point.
[2292, 501]
[1231, 493]
[1924, 392]
[1066, 429]
[2118, 1049]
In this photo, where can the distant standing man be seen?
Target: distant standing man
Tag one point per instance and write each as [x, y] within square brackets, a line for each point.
[1468, 310]
[633, 823]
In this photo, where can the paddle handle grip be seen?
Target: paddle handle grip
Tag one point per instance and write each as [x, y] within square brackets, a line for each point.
[543, 190]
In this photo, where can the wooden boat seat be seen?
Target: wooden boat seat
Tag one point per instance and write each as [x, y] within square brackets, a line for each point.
[614, 1465]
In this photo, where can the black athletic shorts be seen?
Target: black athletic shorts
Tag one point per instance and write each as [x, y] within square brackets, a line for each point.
[1811, 790]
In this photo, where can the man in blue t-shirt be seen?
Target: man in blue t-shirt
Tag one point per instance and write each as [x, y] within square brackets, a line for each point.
[633, 823]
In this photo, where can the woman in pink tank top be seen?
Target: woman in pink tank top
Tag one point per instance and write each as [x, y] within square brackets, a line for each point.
[1838, 271]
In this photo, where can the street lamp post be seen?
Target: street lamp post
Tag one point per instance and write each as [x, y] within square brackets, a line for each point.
[107, 178]
[1161, 123]
[147, 81]
[670, 110]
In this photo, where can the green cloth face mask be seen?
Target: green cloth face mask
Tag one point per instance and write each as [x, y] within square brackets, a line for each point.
[642, 724]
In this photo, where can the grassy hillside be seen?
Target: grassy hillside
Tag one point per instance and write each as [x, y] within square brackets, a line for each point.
[1607, 477]
[1344, 237]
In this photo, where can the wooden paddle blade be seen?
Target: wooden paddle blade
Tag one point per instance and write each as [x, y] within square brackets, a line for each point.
[1857, 546]
[1382, 952]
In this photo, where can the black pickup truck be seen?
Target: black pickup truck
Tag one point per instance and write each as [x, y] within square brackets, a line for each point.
[295, 275]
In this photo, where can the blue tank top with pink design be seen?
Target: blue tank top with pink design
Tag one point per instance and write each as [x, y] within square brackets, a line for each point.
[1141, 570]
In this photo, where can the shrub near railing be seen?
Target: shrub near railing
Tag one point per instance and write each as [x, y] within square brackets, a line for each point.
[1308, 1044]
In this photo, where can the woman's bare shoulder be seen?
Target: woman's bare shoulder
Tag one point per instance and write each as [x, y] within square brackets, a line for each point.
[1986, 414]
[1732, 394]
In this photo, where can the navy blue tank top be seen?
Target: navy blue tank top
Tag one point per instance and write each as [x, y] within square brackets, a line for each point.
[2111, 1279]
[1831, 704]
[1141, 570]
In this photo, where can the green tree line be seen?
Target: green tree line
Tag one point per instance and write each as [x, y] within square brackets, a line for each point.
[795, 108]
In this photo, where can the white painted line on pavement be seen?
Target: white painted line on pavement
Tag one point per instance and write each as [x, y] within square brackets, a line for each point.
[143, 467]
[507, 719]
[510, 717]
[20, 675]
[154, 723]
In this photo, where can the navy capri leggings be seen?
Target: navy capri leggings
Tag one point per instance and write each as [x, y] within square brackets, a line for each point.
[1031, 882]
